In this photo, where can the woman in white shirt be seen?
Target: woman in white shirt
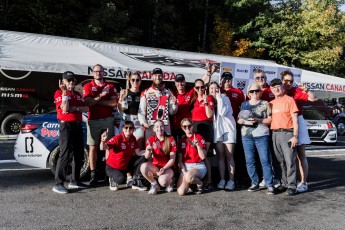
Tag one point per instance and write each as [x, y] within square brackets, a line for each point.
[224, 135]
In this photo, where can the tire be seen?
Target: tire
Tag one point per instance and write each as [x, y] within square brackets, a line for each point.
[340, 127]
[11, 124]
[54, 155]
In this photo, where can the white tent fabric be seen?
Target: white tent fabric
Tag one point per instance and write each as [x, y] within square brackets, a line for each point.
[43, 53]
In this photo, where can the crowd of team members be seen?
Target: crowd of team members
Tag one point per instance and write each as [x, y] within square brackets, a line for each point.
[166, 135]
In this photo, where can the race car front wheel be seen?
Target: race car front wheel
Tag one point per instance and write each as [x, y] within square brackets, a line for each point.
[84, 169]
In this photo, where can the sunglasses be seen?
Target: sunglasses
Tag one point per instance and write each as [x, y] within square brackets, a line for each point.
[257, 78]
[187, 126]
[128, 127]
[199, 87]
[254, 90]
[135, 80]
[288, 81]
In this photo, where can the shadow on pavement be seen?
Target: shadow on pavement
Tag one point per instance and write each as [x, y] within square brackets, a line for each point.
[325, 173]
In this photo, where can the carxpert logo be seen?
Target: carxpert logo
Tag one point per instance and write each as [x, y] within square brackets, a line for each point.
[15, 75]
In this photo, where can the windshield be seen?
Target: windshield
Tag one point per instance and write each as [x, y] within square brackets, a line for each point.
[313, 115]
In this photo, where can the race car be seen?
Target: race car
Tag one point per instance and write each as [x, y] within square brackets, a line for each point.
[320, 129]
[37, 144]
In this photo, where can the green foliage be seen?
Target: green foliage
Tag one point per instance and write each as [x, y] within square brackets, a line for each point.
[308, 34]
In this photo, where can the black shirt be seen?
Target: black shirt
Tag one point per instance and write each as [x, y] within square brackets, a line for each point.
[133, 100]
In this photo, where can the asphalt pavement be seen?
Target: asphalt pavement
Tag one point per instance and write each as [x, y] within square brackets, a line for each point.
[27, 202]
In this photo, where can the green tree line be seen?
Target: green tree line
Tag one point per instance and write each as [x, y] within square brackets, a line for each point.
[307, 34]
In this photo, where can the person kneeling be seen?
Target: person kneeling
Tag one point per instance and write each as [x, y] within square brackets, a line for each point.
[192, 152]
[120, 149]
[162, 149]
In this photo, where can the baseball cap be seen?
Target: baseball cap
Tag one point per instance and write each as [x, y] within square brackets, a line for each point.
[276, 81]
[68, 75]
[157, 71]
[227, 75]
[180, 77]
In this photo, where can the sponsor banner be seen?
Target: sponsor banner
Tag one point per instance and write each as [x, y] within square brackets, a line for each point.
[326, 87]
[244, 74]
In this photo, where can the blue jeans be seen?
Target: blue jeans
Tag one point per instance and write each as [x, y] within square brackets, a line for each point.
[262, 145]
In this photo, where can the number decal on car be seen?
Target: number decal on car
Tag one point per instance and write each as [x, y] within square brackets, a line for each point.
[29, 141]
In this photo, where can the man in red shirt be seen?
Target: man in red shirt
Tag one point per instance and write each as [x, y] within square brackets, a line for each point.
[69, 107]
[183, 103]
[235, 95]
[299, 94]
[101, 97]
[261, 79]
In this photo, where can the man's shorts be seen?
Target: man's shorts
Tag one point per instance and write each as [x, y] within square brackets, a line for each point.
[95, 128]
[303, 136]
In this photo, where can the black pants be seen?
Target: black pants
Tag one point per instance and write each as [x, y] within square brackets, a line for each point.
[119, 175]
[71, 151]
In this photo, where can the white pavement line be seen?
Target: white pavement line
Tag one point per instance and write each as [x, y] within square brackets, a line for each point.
[325, 150]
[24, 169]
[327, 155]
[7, 161]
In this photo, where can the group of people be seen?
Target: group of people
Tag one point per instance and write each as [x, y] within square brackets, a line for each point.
[166, 134]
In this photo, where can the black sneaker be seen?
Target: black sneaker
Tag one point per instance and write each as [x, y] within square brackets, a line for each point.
[281, 189]
[199, 189]
[60, 188]
[291, 192]
[138, 185]
[76, 185]
[208, 186]
[253, 188]
[93, 179]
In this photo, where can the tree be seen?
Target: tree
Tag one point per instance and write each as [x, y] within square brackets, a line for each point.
[307, 34]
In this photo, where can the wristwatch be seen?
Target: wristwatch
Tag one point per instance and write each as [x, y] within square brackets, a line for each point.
[295, 136]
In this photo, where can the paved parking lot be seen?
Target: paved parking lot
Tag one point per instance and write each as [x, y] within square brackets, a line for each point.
[27, 202]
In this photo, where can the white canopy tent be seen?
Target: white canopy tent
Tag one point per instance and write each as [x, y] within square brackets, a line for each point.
[43, 53]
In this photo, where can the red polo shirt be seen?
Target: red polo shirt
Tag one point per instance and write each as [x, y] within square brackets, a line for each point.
[267, 94]
[160, 159]
[199, 111]
[299, 96]
[236, 97]
[190, 154]
[92, 90]
[75, 99]
[183, 102]
[121, 151]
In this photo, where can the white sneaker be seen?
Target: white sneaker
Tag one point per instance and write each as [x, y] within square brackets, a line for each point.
[129, 182]
[153, 189]
[221, 184]
[112, 185]
[302, 187]
[60, 188]
[230, 185]
[262, 184]
[169, 188]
